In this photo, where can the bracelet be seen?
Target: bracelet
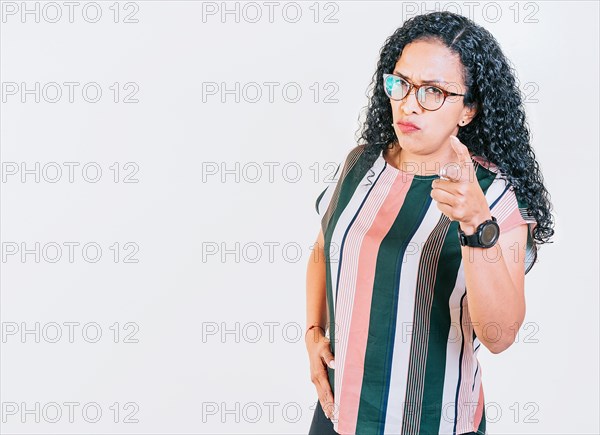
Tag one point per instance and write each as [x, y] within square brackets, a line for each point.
[314, 326]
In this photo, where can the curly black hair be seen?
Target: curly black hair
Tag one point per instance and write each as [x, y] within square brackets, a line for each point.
[498, 132]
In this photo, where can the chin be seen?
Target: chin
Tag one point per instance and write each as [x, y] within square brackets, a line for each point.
[406, 142]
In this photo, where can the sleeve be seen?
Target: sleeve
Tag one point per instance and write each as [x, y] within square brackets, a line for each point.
[510, 212]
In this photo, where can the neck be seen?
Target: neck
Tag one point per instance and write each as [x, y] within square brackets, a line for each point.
[417, 164]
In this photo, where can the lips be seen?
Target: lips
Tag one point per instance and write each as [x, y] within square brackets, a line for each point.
[407, 125]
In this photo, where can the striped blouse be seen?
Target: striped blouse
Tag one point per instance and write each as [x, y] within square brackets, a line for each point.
[398, 317]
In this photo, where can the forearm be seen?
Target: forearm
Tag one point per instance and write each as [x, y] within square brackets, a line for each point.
[316, 304]
[496, 306]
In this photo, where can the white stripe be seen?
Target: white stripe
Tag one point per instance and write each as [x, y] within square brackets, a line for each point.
[452, 355]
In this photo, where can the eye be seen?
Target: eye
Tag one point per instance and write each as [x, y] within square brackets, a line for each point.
[433, 90]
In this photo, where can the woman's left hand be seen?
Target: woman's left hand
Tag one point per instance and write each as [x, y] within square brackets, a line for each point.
[458, 193]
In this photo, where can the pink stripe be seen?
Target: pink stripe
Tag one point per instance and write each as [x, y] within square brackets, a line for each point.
[507, 212]
[467, 367]
[515, 219]
[359, 327]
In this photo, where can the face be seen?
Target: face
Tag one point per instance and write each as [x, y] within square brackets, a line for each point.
[423, 61]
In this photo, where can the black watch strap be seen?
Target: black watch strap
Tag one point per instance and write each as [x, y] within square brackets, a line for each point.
[474, 239]
[470, 240]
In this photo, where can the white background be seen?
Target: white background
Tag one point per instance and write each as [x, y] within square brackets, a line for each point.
[171, 297]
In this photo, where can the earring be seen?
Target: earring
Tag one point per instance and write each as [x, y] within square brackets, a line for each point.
[462, 122]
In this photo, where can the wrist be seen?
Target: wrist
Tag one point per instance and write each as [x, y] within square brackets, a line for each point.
[314, 332]
[470, 226]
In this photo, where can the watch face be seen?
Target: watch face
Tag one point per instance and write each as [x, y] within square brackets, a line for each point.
[489, 234]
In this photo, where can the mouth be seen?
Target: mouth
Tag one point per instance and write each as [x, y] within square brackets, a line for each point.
[407, 127]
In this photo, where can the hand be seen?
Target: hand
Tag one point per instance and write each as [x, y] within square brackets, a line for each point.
[319, 356]
[458, 193]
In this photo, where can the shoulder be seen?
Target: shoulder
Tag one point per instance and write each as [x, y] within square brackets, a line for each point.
[346, 162]
[508, 205]
[489, 168]
[499, 178]
[349, 161]
[355, 153]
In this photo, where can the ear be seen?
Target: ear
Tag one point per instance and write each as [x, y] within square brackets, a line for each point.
[468, 114]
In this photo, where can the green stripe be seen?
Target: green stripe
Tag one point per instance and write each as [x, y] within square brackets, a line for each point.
[481, 427]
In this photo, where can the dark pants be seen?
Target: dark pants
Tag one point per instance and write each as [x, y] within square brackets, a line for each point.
[321, 425]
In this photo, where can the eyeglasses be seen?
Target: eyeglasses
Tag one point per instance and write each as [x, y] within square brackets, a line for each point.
[429, 97]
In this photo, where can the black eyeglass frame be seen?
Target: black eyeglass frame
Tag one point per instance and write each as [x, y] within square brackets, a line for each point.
[417, 87]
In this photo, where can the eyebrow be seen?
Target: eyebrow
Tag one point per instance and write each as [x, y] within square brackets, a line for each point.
[423, 81]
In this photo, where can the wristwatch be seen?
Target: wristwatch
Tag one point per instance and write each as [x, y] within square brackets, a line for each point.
[485, 236]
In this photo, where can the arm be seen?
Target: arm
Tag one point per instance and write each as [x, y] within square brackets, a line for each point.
[494, 278]
[495, 283]
[317, 345]
[316, 303]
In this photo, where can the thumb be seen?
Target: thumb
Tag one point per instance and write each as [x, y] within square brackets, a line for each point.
[329, 359]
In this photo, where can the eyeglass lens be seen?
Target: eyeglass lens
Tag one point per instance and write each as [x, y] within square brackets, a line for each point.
[430, 97]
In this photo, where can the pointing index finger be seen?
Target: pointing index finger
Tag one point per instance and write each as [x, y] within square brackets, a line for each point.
[451, 172]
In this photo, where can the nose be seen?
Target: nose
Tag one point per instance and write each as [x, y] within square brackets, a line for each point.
[410, 104]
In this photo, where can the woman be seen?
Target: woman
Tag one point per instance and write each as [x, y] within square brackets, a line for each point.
[407, 295]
